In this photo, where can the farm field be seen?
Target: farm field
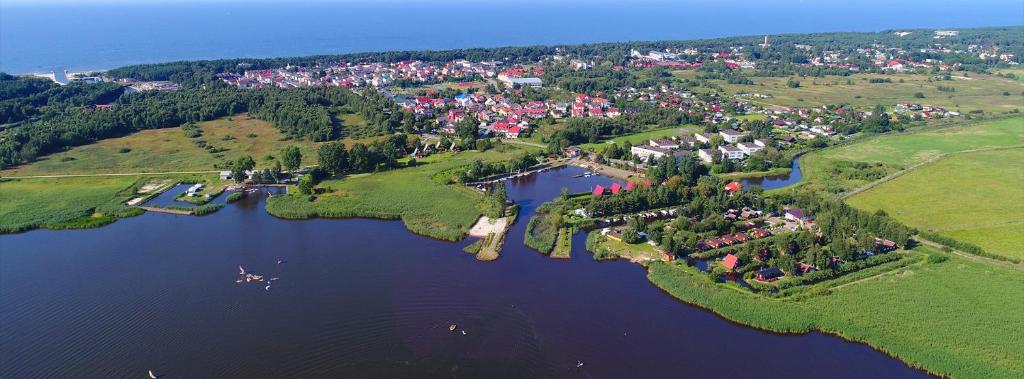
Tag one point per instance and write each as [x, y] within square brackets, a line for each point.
[974, 92]
[158, 150]
[951, 318]
[974, 197]
[900, 151]
[411, 194]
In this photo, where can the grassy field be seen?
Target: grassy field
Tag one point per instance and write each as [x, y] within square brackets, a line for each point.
[976, 92]
[954, 318]
[974, 197]
[900, 151]
[410, 194]
[168, 149]
[638, 138]
[32, 203]
[74, 202]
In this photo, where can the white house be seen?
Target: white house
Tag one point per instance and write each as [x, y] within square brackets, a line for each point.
[731, 152]
[664, 143]
[749, 148]
[706, 155]
[646, 152]
[732, 136]
[702, 137]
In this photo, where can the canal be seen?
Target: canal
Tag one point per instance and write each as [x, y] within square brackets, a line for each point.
[365, 298]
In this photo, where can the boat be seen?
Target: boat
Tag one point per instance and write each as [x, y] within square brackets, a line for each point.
[151, 375]
[241, 270]
[463, 332]
[267, 287]
[452, 328]
[579, 364]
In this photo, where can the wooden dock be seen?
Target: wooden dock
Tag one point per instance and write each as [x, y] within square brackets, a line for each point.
[528, 172]
[168, 211]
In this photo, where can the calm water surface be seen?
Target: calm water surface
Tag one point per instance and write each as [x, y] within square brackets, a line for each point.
[364, 298]
[776, 181]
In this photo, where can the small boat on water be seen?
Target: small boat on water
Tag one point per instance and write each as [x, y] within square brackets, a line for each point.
[579, 364]
[452, 328]
[151, 375]
[463, 332]
[267, 287]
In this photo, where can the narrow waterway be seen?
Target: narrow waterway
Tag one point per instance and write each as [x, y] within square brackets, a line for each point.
[364, 298]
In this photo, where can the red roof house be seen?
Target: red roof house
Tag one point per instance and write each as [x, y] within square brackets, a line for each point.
[616, 188]
[629, 186]
[598, 191]
[731, 261]
[733, 187]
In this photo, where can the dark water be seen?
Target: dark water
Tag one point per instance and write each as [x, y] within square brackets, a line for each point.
[38, 35]
[364, 298]
[776, 181]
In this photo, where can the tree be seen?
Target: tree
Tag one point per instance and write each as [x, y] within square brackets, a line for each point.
[275, 171]
[291, 157]
[239, 167]
[333, 158]
[306, 184]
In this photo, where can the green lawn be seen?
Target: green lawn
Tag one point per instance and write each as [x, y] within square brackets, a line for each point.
[899, 151]
[411, 194]
[974, 197]
[976, 92]
[638, 138]
[956, 318]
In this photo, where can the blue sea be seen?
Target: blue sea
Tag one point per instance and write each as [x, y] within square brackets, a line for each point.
[86, 35]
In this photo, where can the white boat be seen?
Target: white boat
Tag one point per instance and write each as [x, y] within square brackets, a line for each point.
[241, 270]
[579, 364]
[151, 375]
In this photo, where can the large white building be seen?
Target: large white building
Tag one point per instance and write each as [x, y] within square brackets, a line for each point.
[732, 136]
[647, 152]
[749, 148]
[731, 152]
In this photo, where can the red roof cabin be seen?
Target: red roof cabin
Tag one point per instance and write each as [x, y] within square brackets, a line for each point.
[630, 186]
[733, 187]
[598, 191]
[616, 188]
[728, 240]
[731, 261]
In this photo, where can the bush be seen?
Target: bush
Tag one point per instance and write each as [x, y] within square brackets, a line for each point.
[236, 196]
[124, 150]
[965, 247]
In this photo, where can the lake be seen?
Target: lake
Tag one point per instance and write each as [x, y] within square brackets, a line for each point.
[365, 298]
[45, 35]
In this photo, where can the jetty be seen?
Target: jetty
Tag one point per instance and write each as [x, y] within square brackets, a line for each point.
[518, 174]
[168, 211]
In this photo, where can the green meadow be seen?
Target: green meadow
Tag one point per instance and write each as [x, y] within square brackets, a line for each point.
[974, 92]
[411, 194]
[904, 150]
[955, 318]
[161, 150]
[974, 197]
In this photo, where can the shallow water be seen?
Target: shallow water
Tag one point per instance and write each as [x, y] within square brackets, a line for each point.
[364, 298]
